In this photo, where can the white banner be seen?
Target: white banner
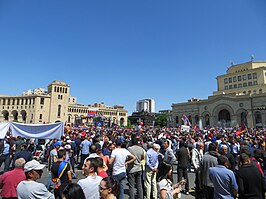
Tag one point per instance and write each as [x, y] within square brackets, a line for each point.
[41, 131]
[185, 128]
[3, 129]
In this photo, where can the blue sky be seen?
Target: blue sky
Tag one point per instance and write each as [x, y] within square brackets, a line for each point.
[121, 51]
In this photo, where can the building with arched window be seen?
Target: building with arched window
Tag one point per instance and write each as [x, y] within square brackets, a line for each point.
[56, 104]
[241, 97]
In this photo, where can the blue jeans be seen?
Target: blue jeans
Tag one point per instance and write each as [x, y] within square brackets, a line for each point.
[6, 160]
[120, 179]
[49, 182]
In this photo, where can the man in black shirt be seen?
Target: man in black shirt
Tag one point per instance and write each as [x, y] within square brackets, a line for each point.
[249, 179]
[61, 169]
[182, 166]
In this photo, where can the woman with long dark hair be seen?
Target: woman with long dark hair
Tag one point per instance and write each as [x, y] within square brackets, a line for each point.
[109, 188]
[73, 191]
[167, 190]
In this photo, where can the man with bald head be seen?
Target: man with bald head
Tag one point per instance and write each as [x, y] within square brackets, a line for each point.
[10, 180]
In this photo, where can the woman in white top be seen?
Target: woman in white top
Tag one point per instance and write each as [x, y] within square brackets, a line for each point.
[167, 190]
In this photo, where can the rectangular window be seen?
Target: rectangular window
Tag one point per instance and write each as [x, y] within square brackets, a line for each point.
[234, 79]
[42, 101]
[235, 85]
[249, 76]
[230, 79]
[254, 75]
[255, 83]
[249, 83]
[230, 86]
[239, 85]
[225, 80]
[245, 84]
[244, 77]
[239, 78]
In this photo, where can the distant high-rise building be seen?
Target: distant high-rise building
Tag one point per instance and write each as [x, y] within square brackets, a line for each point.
[147, 105]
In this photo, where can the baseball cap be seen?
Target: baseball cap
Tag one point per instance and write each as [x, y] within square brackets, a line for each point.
[57, 144]
[33, 165]
[69, 141]
[67, 146]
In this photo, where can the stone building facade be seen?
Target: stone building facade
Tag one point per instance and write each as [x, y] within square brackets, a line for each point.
[56, 104]
[241, 97]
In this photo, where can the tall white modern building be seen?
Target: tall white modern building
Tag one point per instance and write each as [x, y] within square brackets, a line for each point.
[147, 105]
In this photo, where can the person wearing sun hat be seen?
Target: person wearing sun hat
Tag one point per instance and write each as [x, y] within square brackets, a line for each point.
[29, 188]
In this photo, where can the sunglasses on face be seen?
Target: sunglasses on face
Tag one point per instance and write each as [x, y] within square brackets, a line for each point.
[102, 188]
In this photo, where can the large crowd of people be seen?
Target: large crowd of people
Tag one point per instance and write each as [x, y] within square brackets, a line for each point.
[226, 164]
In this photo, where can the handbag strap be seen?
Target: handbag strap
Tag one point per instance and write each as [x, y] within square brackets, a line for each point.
[61, 169]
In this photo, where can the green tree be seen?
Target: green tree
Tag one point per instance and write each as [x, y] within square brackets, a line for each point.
[161, 120]
[129, 125]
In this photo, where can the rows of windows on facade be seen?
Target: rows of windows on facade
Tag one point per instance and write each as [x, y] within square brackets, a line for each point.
[27, 101]
[251, 82]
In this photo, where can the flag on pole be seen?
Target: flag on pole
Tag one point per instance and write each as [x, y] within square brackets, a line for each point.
[186, 120]
[242, 129]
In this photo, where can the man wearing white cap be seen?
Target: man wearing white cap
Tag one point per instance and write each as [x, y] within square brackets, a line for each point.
[29, 188]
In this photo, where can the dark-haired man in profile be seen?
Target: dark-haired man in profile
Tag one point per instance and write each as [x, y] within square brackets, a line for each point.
[90, 185]
[249, 178]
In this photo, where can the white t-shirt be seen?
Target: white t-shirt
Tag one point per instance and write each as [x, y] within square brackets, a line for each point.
[120, 155]
[33, 190]
[165, 184]
[90, 186]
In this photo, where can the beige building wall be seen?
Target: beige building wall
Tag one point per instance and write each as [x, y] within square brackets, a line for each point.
[246, 78]
[59, 93]
[232, 106]
[39, 106]
[115, 114]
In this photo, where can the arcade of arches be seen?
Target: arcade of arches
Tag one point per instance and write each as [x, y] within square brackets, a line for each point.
[225, 119]
[14, 115]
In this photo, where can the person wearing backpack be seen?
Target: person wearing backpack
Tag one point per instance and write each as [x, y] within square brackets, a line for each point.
[61, 174]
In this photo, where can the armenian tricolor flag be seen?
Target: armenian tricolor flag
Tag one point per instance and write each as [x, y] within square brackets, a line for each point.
[242, 129]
